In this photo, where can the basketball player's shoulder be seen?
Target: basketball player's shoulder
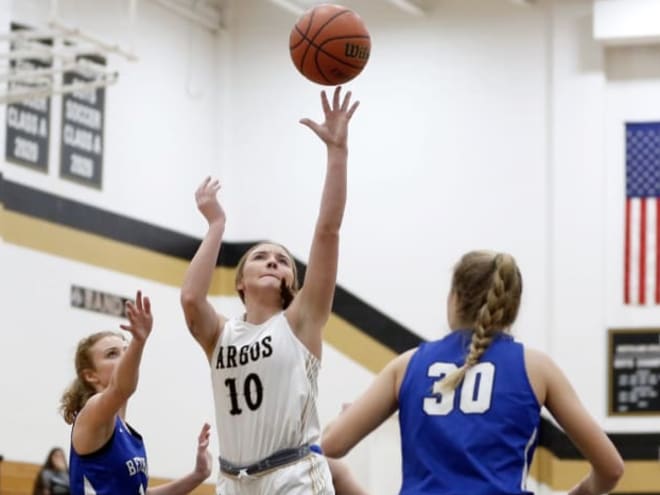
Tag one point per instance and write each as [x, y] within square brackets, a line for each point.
[537, 358]
[400, 362]
[538, 364]
[398, 366]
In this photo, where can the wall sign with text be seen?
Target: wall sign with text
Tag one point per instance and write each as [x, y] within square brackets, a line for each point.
[81, 155]
[97, 301]
[28, 122]
[634, 371]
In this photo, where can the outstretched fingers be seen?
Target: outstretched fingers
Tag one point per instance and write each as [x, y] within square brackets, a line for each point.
[142, 305]
[204, 436]
[147, 305]
[324, 103]
[351, 110]
[332, 130]
[346, 101]
[215, 186]
[310, 123]
[203, 185]
[138, 301]
[208, 185]
[207, 200]
[336, 97]
[139, 316]
[130, 315]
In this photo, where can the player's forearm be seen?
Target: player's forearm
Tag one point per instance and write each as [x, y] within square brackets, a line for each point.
[333, 199]
[596, 484]
[126, 375]
[199, 274]
[181, 486]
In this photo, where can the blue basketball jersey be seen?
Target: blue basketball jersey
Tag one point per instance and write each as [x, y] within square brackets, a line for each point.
[117, 468]
[478, 439]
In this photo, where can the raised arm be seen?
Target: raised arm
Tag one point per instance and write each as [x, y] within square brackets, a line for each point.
[203, 463]
[96, 421]
[565, 406]
[311, 308]
[368, 412]
[202, 320]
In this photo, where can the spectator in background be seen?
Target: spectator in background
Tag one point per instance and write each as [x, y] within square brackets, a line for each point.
[53, 477]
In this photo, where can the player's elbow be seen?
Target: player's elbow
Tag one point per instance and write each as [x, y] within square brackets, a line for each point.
[614, 472]
[332, 445]
[607, 475]
[189, 299]
[191, 302]
[190, 305]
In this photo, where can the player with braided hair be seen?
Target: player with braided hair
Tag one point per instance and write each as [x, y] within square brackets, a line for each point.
[470, 403]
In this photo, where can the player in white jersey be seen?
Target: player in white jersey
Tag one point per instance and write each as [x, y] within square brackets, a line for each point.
[264, 365]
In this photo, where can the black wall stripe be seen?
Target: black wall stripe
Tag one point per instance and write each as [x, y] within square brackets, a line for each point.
[374, 323]
[46, 206]
[369, 320]
[63, 211]
[631, 446]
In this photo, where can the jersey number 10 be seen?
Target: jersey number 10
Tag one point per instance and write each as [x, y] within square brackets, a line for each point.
[476, 391]
[253, 393]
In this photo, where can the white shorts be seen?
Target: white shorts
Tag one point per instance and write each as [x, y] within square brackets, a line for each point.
[308, 476]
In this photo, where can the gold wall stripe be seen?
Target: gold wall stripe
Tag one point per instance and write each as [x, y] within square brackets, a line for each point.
[562, 475]
[356, 344]
[59, 240]
[67, 242]
[70, 243]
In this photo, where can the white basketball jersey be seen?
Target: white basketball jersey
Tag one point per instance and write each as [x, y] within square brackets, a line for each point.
[264, 386]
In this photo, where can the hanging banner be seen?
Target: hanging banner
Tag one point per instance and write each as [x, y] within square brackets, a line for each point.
[81, 155]
[28, 123]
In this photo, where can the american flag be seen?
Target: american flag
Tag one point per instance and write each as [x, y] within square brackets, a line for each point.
[642, 229]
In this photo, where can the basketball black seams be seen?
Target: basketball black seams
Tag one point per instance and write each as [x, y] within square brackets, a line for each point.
[310, 41]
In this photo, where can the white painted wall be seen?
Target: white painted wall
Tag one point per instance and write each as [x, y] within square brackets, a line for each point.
[428, 140]
[40, 333]
[161, 134]
[633, 80]
[482, 125]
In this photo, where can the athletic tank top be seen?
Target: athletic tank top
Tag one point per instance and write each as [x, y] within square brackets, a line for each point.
[479, 439]
[265, 387]
[117, 468]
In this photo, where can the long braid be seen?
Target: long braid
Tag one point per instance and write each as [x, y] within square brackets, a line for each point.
[498, 311]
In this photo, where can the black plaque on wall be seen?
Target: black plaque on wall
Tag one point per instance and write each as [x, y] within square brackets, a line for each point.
[634, 371]
[28, 122]
[98, 301]
[81, 156]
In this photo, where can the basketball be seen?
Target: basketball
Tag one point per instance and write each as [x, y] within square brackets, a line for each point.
[329, 44]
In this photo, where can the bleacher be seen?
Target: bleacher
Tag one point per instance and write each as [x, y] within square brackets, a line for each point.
[17, 478]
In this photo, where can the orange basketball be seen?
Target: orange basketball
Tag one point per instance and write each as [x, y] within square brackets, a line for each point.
[329, 44]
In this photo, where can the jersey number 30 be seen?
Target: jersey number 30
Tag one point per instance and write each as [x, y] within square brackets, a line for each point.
[476, 390]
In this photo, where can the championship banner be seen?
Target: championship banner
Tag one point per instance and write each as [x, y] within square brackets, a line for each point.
[81, 152]
[28, 123]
